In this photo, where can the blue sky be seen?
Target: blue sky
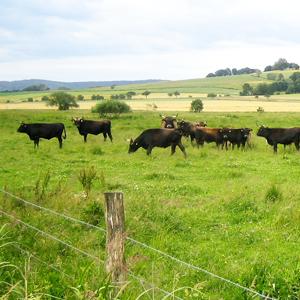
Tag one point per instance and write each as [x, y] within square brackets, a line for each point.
[75, 40]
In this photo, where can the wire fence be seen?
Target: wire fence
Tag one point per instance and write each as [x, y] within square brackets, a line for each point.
[162, 253]
[140, 279]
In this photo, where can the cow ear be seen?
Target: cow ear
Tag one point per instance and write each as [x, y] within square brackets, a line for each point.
[131, 141]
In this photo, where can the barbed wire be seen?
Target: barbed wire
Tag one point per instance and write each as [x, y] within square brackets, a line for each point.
[162, 253]
[85, 253]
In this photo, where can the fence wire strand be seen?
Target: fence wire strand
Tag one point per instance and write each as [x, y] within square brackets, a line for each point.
[96, 258]
[162, 253]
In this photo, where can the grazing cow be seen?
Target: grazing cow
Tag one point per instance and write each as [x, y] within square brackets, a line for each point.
[285, 136]
[86, 127]
[168, 122]
[236, 136]
[189, 128]
[209, 135]
[47, 131]
[158, 137]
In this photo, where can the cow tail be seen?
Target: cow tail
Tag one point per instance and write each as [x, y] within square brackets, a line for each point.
[65, 133]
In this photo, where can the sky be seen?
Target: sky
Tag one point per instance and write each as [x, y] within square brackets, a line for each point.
[83, 40]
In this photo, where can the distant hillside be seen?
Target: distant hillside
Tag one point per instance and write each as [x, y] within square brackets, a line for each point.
[53, 85]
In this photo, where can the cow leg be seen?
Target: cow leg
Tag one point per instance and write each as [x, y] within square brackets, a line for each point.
[110, 136]
[275, 148]
[105, 136]
[173, 148]
[296, 145]
[60, 141]
[181, 147]
[36, 143]
[149, 149]
[85, 137]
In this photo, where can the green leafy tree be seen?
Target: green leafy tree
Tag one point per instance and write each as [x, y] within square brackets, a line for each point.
[130, 94]
[176, 93]
[80, 97]
[146, 94]
[170, 94]
[113, 86]
[247, 90]
[45, 98]
[63, 100]
[197, 105]
[211, 95]
[114, 107]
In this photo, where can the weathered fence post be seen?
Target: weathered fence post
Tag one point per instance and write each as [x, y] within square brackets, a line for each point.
[115, 237]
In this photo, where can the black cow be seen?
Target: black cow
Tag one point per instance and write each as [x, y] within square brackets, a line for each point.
[285, 136]
[86, 127]
[158, 137]
[236, 136]
[168, 122]
[47, 131]
[189, 128]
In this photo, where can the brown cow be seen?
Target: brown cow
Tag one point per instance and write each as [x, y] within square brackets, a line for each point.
[189, 128]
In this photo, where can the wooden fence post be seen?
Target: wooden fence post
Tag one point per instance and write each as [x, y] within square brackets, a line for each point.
[115, 237]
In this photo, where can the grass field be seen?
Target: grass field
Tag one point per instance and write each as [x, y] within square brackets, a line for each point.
[225, 85]
[234, 213]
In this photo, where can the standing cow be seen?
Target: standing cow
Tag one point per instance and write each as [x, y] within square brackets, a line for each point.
[168, 121]
[209, 135]
[86, 127]
[236, 136]
[189, 128]
[47, 131]
[285, 136]
[158, 137]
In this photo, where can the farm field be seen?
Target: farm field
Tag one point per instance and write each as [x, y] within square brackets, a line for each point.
[224, 85]
[234, 213]
[279, 103]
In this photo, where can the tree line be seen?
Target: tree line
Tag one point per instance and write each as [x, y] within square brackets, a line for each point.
[281, 64]
[288, 86]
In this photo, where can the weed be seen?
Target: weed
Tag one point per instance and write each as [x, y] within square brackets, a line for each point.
[86, 177]
[273, 194]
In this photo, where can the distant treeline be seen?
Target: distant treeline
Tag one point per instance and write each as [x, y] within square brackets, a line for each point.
[280, 64]
[280, 84]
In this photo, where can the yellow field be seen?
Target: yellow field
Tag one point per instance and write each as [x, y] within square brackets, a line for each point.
[224, 105]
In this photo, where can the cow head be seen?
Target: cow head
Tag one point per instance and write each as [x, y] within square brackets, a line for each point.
[77, 121]
[201, 124]
[262, 131]
[224, 132]
[23, 127]
[246, 132]
[133, 146]
[169, 121]
[185, 127]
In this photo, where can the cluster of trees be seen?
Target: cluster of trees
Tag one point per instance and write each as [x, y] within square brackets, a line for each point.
[176, 94]
[289, 86]
[62, 100]
[97, 97]
[36, 87]
[234, 71]
[281, 64]
[127, 96]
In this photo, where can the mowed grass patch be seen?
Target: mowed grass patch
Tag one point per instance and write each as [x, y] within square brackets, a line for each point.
[209, 209]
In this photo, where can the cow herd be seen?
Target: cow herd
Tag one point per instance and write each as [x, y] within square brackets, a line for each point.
[169, 135]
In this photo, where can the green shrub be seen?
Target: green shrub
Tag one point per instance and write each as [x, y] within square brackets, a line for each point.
[94, 213]
[30, 99]
[86, 178]
[197, 105]
[111, 107]
[211, 95]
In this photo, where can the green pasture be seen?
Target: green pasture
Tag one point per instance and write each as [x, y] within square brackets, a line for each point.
[225, 85]
[235, 213]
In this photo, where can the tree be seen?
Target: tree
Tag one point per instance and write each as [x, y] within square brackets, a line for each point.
[197, 105]
[176, 93]
[280, 77]
[170, 94]
[146, 93]
[130, 94]
[113, 86]
[280, 64]
[111, 107]
[268, 69]
[45, 98]
[63, 100]
[80, 97]
[247, 90]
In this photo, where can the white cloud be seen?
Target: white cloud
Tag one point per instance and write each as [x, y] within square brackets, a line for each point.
[133, 39]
